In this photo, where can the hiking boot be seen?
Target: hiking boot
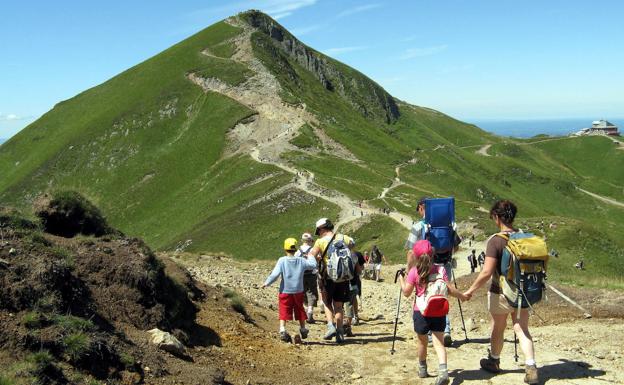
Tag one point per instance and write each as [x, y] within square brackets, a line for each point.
[331, 332]
[356, 321]
[448, 341]
[304, 333]
[284, 336]
[422, 372]
[339, 337]
[442, 379]
[531, 376]
[490, 364]
[348, 332]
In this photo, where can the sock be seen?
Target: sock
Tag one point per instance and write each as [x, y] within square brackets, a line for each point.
[282, 329]
[422, 364]
[495, 357]
[310, 309]
[330, 324]
[530, 362]
[442, 369]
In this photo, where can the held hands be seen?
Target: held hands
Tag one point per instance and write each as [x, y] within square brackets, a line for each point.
[466, 296]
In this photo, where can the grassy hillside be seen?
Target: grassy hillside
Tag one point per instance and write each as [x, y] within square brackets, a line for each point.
[148, 146]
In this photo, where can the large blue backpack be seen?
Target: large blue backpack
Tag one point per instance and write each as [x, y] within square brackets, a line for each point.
[439, 219]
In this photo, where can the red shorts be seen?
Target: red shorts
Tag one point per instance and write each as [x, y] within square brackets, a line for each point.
[289, 304]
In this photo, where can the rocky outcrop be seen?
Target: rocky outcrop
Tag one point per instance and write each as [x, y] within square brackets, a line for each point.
[370, 99]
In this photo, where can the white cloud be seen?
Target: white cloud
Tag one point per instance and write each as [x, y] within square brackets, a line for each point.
[11, 117]
[340, 50]
[358, 9]
[411, 53]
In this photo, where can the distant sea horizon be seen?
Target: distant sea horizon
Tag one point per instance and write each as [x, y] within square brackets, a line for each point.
[527, 128]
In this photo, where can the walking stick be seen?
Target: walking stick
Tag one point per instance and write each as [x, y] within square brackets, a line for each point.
[396, 319]
[515, 346]
[461, 313]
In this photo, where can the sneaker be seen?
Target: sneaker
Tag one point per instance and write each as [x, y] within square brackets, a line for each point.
[284, 336]
[348, 332]
[490, 364]
[531, 376]
[422, 372]
[339, 337]
[356, 320]
[331, 332]
[310, 319]
[448, 341]
[442, 379]
[304, 333]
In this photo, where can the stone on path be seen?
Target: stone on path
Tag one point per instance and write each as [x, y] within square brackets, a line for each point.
[167, 342]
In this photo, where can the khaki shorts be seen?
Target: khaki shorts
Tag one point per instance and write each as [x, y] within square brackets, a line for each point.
[497, 304]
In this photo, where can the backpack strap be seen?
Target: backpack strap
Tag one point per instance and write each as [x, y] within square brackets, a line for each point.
[323, 263]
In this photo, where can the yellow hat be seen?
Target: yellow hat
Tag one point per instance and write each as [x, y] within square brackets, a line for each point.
[290, 244]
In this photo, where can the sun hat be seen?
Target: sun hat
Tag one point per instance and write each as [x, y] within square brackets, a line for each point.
[306, 237]
[323, 223]
[290, 244]
[422, 247]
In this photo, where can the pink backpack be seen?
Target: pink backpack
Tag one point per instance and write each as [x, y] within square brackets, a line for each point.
[434, 301]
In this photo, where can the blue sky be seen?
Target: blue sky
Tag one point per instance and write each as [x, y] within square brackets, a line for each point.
[472, 59]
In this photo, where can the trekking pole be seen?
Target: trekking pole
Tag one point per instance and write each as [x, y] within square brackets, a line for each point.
[515, 346]
[461, 313]
[396, 319]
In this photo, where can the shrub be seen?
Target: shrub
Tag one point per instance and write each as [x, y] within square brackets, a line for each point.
[6, 381]
[236, 301]
[72, 324]
[32, 320]
[76, 345]
[42, 361]
[68, 213]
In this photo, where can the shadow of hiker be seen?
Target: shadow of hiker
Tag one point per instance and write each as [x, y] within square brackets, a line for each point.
[569, 370]
[458, 343]
[460, 375]
[563, 370]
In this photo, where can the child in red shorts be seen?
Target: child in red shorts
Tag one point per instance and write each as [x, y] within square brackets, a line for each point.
[290, 297]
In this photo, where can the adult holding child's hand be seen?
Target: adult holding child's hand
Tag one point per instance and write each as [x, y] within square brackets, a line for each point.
[503, 213]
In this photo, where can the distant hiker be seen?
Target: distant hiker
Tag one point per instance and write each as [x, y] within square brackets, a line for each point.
[351, 307]
[338, 266]
[377, 257]
[580, 264]
[290, 297]
[503, 213]
[472, 259]
[310, 285]
[430, 282]
[481, 260]
[419, 232]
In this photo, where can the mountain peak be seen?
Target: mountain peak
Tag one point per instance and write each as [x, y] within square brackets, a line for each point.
[366, 96]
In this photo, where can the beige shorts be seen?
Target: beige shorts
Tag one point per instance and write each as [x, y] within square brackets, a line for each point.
[497, 304]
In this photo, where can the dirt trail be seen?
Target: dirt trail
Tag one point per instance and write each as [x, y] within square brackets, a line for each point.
[566, 348]
[484, 150]
[602, 198]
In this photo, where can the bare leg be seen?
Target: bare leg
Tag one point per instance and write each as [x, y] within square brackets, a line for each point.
[339, 313]
[422, 347]
[438, 345]
[497, 336]
[329, 309]
[522, 331]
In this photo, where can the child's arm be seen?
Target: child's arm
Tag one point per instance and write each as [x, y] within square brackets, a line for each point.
[406, 287]
[455, 293]
[277, 271]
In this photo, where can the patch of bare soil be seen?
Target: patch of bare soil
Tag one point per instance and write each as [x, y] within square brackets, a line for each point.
[569, 348]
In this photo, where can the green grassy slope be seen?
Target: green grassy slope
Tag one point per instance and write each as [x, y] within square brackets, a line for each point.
[147, 147]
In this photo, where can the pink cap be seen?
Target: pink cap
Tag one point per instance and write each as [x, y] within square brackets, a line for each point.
[422, 247]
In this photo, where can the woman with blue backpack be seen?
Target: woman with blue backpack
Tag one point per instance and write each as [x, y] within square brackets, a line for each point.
[503, 213]
[431, 305]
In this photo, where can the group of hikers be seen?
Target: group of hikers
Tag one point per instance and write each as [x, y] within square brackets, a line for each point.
[331, 263]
